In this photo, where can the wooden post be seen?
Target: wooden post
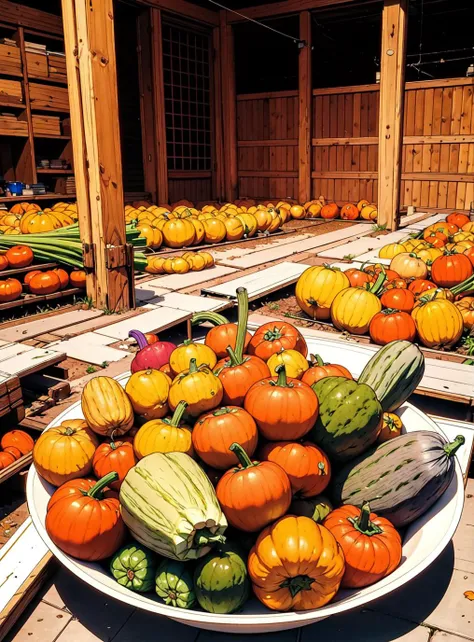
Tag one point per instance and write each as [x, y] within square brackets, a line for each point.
[159, 107]
[305, 109]
[229, 107]
[218, 173]
[92, 79]
[392, 92]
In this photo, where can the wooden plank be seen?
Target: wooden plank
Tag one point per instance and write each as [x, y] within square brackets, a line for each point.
[427, 176]
[28, 17]
[219, 165]
[305, 111]
[156, 320]
[181, 281]
[267, 95]
[31, 361]
[360, 140]
[30, 170]
[343, 174]
[92, 348]
[34, 328]
[268, 174]
[183, 8]
[392, 82]
[229, 112]
[281, 8]
[284, 142]
[159, 107]
[421, 140]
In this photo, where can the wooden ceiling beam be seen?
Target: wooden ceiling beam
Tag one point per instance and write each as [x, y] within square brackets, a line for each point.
[30, 18]
[187, 9]
[282, 8]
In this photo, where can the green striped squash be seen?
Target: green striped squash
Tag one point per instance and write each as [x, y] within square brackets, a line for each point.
[133, 566]
[170, 506]
[174, 584]
[394, 372]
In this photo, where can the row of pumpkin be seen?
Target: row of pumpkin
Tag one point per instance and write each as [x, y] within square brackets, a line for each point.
[421, 294]
[177, 444]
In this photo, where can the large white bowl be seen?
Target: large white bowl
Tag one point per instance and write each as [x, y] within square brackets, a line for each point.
[423, 542]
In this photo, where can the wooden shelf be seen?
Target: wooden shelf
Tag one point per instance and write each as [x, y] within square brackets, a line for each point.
[5, 132]
[15, 272]
[40, 170]
[31, 299]
[11, 74]
[37, 197]
[8, 104]
[55, 110]
[51, 136]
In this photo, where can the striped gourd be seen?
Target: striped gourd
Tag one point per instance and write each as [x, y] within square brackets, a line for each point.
[401, 478]
[394, 372]
[170, 506]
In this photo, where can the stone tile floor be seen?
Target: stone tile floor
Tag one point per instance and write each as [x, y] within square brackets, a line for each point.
[432, 608]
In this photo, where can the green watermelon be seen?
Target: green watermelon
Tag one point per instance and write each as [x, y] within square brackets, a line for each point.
[350, 417]
[174, 584]
[133, 566]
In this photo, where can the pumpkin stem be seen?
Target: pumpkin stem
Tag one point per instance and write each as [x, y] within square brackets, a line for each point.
[272, 335]
[282, 380]
[297, 584]
[213, 317]
[186, 342]
[204, 537]
[380, 280]
[234, 360]
[69, 431]
[316, 360]
[221, 411]
[242, 318]
[193, 366]
[241, 455]
[451, 448]
[178, 414]
[96, 491]
[139, 337]
[363, 523]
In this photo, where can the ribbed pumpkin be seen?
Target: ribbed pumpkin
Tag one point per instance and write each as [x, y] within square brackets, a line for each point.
[199, 387]
[115, 456]
[451, 269]
[439, 323]
[10, 289]
[391, 250]
[234, 229]
[294, 362]
[164, 435]
[65, 452]
[354, 308]
[182, 355]
[408, 266]
[34, 222]
[399, 299]
[392, 325]
[106, 407]
[275, 336]
[466, 308]
[19, 439]
[357, 278]
[330, 211]
[320, 370]
[19, 256]
[214, 231]
[316, 289]
[418, 286]
[178, 233]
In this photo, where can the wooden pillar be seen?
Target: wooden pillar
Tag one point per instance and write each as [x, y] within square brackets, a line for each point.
[218, 174]
[229, 108]
[159, 107]
[392, 92]
[305, 109]
[92, 80]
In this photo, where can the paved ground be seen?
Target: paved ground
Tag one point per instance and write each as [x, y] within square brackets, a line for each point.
[432, 608]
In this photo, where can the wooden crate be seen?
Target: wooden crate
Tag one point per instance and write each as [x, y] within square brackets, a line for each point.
[10, 61]
[11, 91]
[47, 125]
[49, 96]
[37, 65]
[11, 126]
[57, 67]
[10, 394]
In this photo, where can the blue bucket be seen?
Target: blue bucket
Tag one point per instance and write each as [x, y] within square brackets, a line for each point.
[15, 187]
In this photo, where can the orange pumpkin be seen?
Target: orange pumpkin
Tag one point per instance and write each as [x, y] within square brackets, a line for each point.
[320, 370]
[78, 279]
[10, 289]
[357, 278]
[466, 308]
[63, 277]
[13, 450]
[216, 431]
[275, 336]
[349, 212]
[418, 286]
[330, 211]
[4, 264]
[392, 325]
[18, 438]
[6, 459]
[372, 546]
[254, 494]
[222, 336]
[297, 211]
[307, 467]
[451, 269]
[470, 254]
[457, 219]
[29, 275]
[117, 456]
[44, 283]
[399, 299]
[19, 256]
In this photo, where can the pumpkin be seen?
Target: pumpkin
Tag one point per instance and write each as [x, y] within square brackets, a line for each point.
[375, 270]
[10, 289]
[297, 212]
[398, 298]
[391, 427]
[391, 250]
[314, 210]
[164, 435]
[199, 387]
[395, 284]
[148, 392]
[270, 338]
[319, 370]
[349, 212]
[458, 219]
[253, 494]
[4, 264]
[199, 231]
[65, 452]
[115, 456]
[357, 278]
[330, 211]
[408, 266]
[418, 286]
[200, 352]
[216, 431]
[214, 231]
[14, 451]
[468, 227]
[264, 219]
[294, 362]
[451, 269]
[44, 283]
[18, 438]
[174, 584]
[250, 224]
[234, 229]
[178, 233]
[372, 546]
[283, 409]
[437, 239]
[392, 325]
[84, 520]
[307, 467]
[149, 355]
[466, 308]
[222, 335]
[106, 407]
[63, 277]
[354, 308]
[6, 459]
[37, 222]
[438, 323]
[78, 279]
[429, 255]
[438, 293]
[134, 567]
[295, 564]
[317, 288]
[179, 266]
[197, 262]
[361, 204]
[448, 229]
[316, 508]
[369, 213]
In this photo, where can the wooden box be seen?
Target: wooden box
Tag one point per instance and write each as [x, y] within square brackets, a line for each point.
[46, 125]
[57, 67]
[10, 393]
[10, 60]
[11, 91]
[49, 96]
[37, 65]
[11, 126]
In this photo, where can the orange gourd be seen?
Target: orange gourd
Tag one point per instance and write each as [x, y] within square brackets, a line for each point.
[13, 450]
[457, 219]
[349, 212]
[63, 277]
[275, 336]
[466, 308]
[392, 325]
[44, 283]
[451, 269]
[18, 438]
[357, 278]
[222, 336]
[29, 275]
[418, 286]
[6, 459]
[319, 370]
[4, 264]
[77, 279]
[10, 289]
[117, 456]
[398, 299]
[330, 211]
[19, 256]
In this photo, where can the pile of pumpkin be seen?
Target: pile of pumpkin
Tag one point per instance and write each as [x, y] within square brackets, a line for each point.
[13, 445]
[349, 211]
[189, 261]
[29, 218]
[202, 479]
[425, 292]
[36, 281]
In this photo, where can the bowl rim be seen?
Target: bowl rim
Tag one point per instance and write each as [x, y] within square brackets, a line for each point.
[193, 617]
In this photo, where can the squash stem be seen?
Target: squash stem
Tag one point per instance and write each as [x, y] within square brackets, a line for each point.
[192, 366]
[222, 411]
[241, 455]
[316, 360]
[363, 523]
[450, 449]
[204, 537]
[178, 414]
[297, 584]
[282, 380]
[213, 317]
[242, 318]
[380, 280]
[96, 491]
[272, 335]
[139, 337]
[234, 360]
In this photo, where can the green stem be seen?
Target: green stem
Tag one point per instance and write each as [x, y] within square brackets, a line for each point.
[222, 411]
[204, 537]
[193, 366]
[242, 456]
[96, 491]
[234, 361]
[282, 380]
[451, 448]
[363, 523]
[316, 360]
[178, 414]
[297, 584]
[212, 317]
[272, 335]
[242, 318]
[375, 288]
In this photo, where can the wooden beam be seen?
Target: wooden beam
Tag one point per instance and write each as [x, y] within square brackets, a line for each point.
[218, 152]
[305, 109]
[30, 18]
[269, 142]
[29, 158]
[363, 140]
[187, 9]
[159, 107]
[282, 8]
[269, 94]
[392, 90]
[229, 108]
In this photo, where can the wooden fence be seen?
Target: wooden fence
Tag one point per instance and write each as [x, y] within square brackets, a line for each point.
[438, 144]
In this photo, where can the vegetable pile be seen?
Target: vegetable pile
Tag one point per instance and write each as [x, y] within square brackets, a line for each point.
[238, 467]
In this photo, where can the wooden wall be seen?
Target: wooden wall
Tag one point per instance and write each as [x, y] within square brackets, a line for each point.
[192, 186]
[438, 144]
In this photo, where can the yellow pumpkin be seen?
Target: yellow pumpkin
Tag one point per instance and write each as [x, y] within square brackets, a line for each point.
[214, 230]
[199, 231]
[180, 266]
[438, 293]
[263, 218]
[153, 236]
[363, 203]
[439, 323]
[250, 224]
[408, 266]
[36, 222]
[182, 355]
[283, 213]
[155, 265]
[429, 255]
[11, 220]
[463, 236]
[64, 218]
[468, 227]
[148, 392]
[164, 436]
[106, 407]
[65, 452]
[276, 222]
[207, 256]
[294, 362]
[369, 213]
[234, 229]
[466, 308]
[391, 250]
[353, 309]
[168, 266]
[316, 289]
[461, 247]
[197, 262]
[178, 232]
[199, 387]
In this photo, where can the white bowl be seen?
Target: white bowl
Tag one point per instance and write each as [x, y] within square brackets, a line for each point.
[423, 542]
